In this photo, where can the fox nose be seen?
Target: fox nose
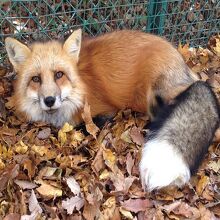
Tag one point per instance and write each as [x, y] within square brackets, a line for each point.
[49, 101]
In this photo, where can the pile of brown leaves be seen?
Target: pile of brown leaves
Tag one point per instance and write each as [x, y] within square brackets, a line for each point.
[47, 173]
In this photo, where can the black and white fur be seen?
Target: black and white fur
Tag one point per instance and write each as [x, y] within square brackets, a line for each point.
[179, 137]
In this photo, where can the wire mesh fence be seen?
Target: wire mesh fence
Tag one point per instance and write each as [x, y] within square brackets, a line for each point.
[179, 21]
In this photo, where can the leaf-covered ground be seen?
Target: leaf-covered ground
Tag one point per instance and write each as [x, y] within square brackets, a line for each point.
[46, 173]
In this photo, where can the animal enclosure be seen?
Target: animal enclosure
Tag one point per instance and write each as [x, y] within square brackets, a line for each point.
[179, 21]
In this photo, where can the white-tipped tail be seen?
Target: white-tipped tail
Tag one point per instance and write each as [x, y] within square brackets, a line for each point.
[161, 165]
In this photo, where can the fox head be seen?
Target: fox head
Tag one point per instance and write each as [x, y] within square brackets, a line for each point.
[48, 87]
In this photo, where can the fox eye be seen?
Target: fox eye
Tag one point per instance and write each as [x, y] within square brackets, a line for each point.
[36, 79]
[59, 75]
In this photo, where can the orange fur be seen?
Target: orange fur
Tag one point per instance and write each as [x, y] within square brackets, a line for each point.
[123, 69]
[126, 69]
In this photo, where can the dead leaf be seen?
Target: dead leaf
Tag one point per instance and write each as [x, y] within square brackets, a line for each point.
[49, 191]
[129, 163]
[23, 207]
[30, 167]
[214, 165]
[34, 206]
[62, 134]
[91, 208]
[73, 185]
[24, 184]
[208, 194]
[12, 216]
[40, 150]
[125, 136]
[121, 183]
[109, 208]
[183, 209]
[91, 211]
[3, 70]
[67, 128]
[21, 148]
[136, 136]
[217, 47]
[206, 214]
[2, 109]
[51, 173]
[90, 126]
[11, 102]
[2, 164]
[9, 173]
[136, 205]
[184, 51]
[33, 216]
[44, 134]
[203, 182]
[104, 175]
[204, 56]
[109, 158]
[213, 83]
[215, 208]
[98, 162]
[203, 76]
[126, 213]
[75, 202]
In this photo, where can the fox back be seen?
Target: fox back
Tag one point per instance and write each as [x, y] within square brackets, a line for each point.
[122, 69]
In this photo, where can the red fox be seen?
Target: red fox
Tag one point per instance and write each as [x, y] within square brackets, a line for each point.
[122, 69]
[118, 70]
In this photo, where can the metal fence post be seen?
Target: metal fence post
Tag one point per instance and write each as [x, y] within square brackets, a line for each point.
[156, 16]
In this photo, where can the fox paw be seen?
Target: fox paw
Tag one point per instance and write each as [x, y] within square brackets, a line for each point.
[162, 165]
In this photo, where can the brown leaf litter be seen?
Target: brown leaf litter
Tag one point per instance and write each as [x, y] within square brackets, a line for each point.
[46, 173]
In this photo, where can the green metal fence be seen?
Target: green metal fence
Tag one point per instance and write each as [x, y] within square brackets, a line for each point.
[179, 21]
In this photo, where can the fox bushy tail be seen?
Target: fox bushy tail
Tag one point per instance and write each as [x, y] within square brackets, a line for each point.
[179, 137]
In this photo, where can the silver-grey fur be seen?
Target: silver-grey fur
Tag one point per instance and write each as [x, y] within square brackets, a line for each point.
[190, 123]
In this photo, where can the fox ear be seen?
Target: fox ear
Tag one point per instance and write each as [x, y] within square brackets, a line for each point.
[17, 52]
[73, 44]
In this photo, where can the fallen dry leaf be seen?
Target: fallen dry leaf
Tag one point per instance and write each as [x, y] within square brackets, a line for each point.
[30, 167]
[2, 109]
[136, 205]
[110, 159]
[12, 216]
[126, 213]
[24, 184]
[98, 162]
[109, 208]
[33, 204]
[73, 185]
[44, 134]
[217, 46]
[214, 165]
[184, 51]
[206, 214]
[90, 126]
[137, 136]
[48, 191]
[129, 163]
[62, 136]
[21, 148]
[74, 202]
[2, 164]
[182, 209]
[121, 183]
[203, 182]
